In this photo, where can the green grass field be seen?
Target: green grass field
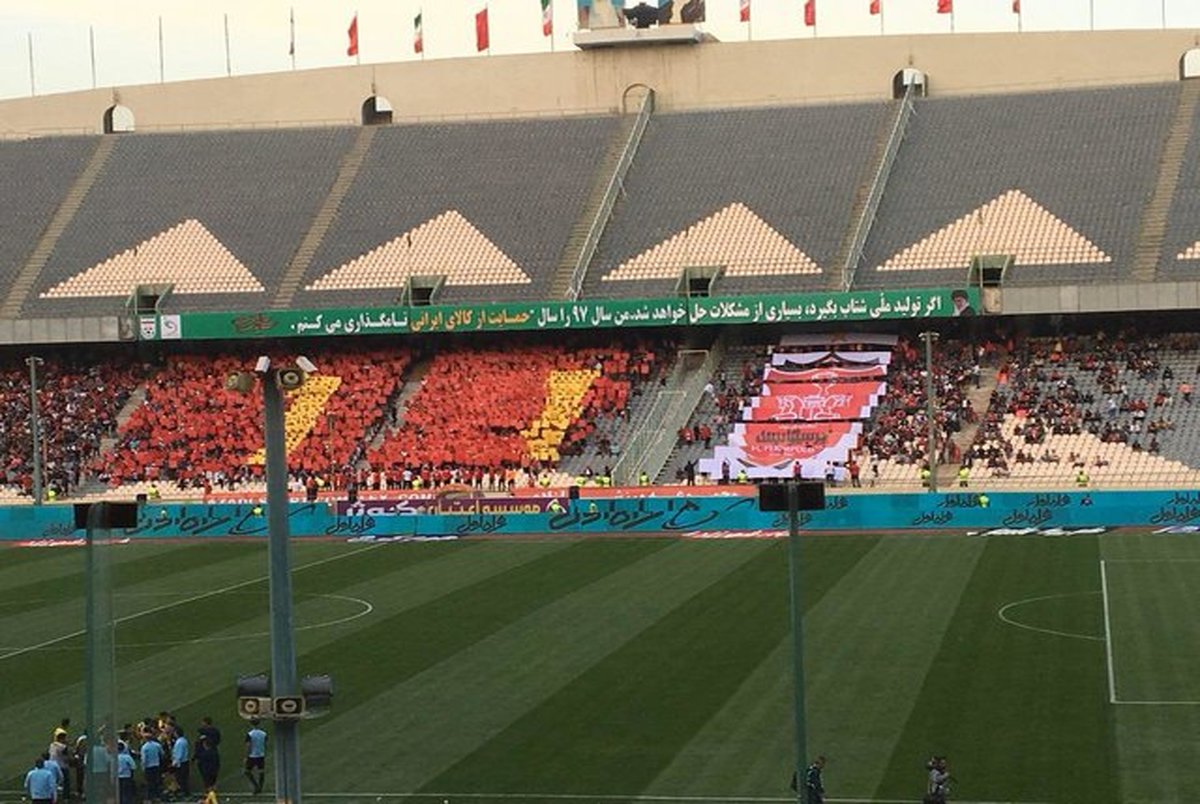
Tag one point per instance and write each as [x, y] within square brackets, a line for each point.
[656, 669]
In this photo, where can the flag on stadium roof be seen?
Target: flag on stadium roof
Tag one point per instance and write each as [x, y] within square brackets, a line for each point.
[547, 18]
[810, 13]
[481, 30]
[418, 35]
[352, 50]
[745, 11]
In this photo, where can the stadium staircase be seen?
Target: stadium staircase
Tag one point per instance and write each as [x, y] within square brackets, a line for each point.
[412, 384]
[870, 193]
[71, 204]
[1156, 214]
[609, 183]
[980, 399]
[650, 446]
[352, 163]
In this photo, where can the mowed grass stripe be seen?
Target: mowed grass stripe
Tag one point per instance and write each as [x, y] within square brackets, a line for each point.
[388, 649]
[437, 718]
[852, 676]
[619, 724]
[38, 672]
[72, 585]
[195, 679]
[1154, 744]
[1014, 708]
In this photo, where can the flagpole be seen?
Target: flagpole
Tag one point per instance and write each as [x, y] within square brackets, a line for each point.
[951, 19]
[1020, 19]
[358, 49]
[1092, 14]
[228, 62]
[292, 49]
[488, 16]
[882, 11]
[161, 68]
[1164, 14]
[32, 82]
[92, 50]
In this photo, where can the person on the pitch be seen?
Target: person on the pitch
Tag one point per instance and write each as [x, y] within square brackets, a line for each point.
[814, 784]
[256, 756]
[152, 765]
[41, 784]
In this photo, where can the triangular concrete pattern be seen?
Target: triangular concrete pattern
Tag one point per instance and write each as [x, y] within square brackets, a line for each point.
[1192, 252]
[187, 255]
[1012, 223]
[734, 237]
[448, 245]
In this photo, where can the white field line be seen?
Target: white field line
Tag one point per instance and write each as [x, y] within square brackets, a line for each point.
[1108, 642]
[173, 604]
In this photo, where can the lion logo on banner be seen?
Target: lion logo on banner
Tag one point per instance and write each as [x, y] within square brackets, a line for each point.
[823, 406]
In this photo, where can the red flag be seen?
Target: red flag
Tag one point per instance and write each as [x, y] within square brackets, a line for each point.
[1016, 6]
[353, 32]
[945, 6]
[876, 6]
[745, 10]
[481, 30]
[810, 13]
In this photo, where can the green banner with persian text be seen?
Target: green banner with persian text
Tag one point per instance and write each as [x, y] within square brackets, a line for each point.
[794, 308]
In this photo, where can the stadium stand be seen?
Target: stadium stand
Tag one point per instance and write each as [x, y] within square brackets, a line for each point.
[765, 192]
[192, 433]
[79, 400]
[1181, 248]
[489, 205]
[1120, 409]
[1057, 179]
[37, 174]
[516, 410]
[219, 214]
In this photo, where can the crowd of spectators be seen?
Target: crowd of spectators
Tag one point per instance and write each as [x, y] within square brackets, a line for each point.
[1116, 388]
[78, 400]
[899, 432]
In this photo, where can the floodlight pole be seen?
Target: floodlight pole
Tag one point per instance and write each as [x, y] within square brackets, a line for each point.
[35, 427]
[283, 648]
[795, 577]
[931, 407]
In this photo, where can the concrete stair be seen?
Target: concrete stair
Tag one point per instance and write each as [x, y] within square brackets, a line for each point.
[412, 384]
[352, 163]
[980, 399]
[70, 206]
[561, 283]
[1156, 214]
[869, 169]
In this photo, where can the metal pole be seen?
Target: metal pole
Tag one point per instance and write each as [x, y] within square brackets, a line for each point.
[162, 70]
[228, 61]
[283, 650]
[32, 82]
[931, 407]
[35, 428]
[92, 49]
[797, 600]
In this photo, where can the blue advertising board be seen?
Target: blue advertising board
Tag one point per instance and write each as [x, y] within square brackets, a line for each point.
[710, 515]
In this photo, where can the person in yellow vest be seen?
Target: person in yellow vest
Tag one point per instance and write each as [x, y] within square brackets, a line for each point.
[926, 475]
[593, 508]
[51, 494]
[742, 477]
[643, 478]
[984, 502]
[153, 493]
[544, 481]
[257, 510]
[555, 507]
[964, 476]
[1082, 480]
[417, 482]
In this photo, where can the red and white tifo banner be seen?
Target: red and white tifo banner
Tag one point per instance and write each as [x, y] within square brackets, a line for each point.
[843, 358]
[771, 449]
[772, 375]
[811, 402]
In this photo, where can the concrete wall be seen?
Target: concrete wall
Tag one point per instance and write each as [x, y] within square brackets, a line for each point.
[685, 77]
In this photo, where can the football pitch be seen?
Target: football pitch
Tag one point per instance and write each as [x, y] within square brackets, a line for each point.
[1048, 668]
